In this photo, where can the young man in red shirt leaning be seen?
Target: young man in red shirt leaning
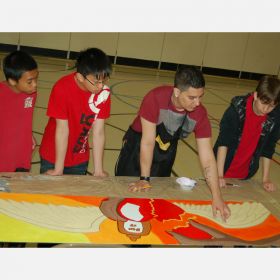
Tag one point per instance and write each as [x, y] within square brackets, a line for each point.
[78, 103]
[249, 129]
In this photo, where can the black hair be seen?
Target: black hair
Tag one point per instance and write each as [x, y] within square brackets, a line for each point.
[268, 90]
[188, 76]
[94, 61]
[16, 63]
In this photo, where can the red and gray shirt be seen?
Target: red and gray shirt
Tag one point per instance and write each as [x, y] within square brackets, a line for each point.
[157, 108]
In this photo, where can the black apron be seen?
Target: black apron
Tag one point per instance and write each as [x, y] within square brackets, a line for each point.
[128, 163]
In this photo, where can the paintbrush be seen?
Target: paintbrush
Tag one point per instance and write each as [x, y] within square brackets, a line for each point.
[232, 185]
[227, 184]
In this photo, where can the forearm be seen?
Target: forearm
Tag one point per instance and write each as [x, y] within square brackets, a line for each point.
[266, 168]
[146, 158]
[267, 184]
[211, 176]
[61, 144]
[98, 151]
[209, 166]
[147, 147]
[221, 157]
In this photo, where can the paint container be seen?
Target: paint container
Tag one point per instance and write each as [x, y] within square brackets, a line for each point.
[4, 186]
[185, 183]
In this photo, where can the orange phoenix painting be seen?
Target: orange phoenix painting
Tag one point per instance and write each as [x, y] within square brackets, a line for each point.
[108, 220]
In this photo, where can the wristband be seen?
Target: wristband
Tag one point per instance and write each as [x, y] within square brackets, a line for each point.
[145, 178]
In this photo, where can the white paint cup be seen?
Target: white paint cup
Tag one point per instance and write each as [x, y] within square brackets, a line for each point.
[185, 183]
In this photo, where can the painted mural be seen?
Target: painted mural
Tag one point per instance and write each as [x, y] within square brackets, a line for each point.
[109, 220]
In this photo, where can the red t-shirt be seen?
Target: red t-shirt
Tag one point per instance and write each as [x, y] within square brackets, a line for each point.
[157, 107]
[251, 133]
[80, 108]
[16, 111]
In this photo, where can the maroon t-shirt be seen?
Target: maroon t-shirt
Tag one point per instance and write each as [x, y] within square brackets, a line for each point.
[251, 133]
[157, 107]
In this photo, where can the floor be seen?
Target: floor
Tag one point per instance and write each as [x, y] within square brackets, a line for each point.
[129, 85]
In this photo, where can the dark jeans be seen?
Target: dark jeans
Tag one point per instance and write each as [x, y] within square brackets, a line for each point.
[20, 169]
[80, 169]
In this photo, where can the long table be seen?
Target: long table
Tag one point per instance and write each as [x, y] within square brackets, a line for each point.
[162, 188]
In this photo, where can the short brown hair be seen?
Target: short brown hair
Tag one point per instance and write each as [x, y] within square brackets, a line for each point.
[268, 90]
[188, 76]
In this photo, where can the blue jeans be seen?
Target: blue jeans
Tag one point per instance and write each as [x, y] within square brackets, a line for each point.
[80, 169]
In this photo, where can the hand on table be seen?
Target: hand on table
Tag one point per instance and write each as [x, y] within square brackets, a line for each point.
[101, 174]
[222, 182]
[269, 186]
[139, 186]
[219, 205]
[53, 172]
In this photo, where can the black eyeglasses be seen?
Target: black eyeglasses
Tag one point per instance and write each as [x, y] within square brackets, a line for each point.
[96, 83]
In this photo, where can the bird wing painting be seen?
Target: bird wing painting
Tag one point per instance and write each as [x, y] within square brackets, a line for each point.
[107, 220]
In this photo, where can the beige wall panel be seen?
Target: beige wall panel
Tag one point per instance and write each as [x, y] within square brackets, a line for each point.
[263, 53]
[140, 45]
[184, 48]
[9, 38]
[52, 40]
[105, 41]
[225, 50]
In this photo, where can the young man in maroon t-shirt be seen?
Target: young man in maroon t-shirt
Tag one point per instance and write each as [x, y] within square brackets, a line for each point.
[249, 130]
[78, 102]
[167, 114]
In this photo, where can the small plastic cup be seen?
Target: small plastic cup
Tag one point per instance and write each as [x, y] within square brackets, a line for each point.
[185, 183]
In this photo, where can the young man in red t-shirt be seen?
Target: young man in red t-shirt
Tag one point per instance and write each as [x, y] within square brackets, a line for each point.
[17, 101]
[78, 102]
[167, 114]
[249, 130]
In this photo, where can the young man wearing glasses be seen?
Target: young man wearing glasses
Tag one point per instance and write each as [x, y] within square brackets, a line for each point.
[78, 102]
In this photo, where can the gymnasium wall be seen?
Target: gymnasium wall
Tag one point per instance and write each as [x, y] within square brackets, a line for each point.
[235, 53]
